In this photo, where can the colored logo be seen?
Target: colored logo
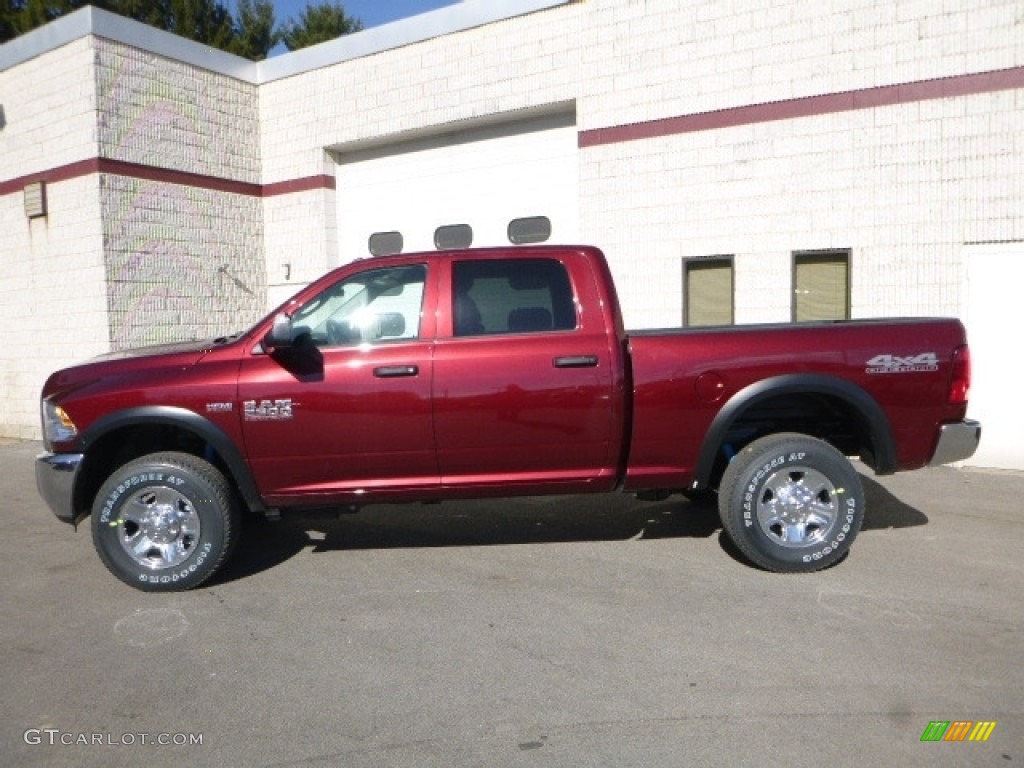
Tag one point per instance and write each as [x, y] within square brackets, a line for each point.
[958, 730]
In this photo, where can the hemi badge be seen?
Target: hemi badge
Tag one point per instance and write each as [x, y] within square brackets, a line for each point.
[219, 407]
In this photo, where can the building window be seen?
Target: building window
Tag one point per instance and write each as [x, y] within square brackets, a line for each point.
[821, 285]
[453, 236]
[708, 291]
[386, 243]
[533, 229]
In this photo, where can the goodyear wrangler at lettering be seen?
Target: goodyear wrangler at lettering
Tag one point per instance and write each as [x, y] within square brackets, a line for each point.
[491, 372]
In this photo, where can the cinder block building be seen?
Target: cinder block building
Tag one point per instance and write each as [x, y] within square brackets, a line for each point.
[739, 162]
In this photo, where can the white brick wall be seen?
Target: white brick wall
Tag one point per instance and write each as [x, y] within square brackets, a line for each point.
[502, 67]
[120, 261]
[904, 187]
[300, 241]
[182, 262]
[53, 296]
[900, 186]
[165, 113]
[49, 107]
[506, 66]
[52, 291]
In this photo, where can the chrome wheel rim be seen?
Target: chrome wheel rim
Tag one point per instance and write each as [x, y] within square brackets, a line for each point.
[158, 528]
[797, 507]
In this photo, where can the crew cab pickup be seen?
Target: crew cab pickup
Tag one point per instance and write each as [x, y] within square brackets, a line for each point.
[490, 373]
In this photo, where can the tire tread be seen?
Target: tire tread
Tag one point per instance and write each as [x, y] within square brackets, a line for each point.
[225, 502]
[732, 521]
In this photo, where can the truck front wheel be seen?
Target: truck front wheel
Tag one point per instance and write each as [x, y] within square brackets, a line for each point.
[165, 522]
[791, 503]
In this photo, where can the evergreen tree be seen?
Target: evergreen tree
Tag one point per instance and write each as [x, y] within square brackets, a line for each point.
[317, 24]
[204, 21]
[20, 16]
[252, 35]
[255, 30]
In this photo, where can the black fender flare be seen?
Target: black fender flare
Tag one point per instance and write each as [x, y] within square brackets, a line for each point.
[188, 420]
[799, 384]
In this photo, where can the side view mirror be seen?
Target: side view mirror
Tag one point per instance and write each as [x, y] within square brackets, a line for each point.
[280, 335]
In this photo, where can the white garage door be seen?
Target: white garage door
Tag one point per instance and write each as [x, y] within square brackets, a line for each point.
[994, 276]
[466, 187]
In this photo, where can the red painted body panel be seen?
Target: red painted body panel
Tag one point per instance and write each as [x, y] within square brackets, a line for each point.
[505, 416]
[190, 377]
[670, 419]
[351, 433]
[502, 413]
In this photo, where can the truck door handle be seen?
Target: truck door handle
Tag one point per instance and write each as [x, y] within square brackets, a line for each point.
[575, 361]
[396, 371]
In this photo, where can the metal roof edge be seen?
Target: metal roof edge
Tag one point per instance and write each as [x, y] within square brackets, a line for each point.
[95, 21]
[461, 16]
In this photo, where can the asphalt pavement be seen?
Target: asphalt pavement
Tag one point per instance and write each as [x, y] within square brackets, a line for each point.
[583, 631]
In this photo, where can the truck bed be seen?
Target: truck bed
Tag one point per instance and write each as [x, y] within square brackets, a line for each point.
[849, 381]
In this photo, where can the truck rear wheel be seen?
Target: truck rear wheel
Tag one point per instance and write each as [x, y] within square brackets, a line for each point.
[165, 522]
[791, 503]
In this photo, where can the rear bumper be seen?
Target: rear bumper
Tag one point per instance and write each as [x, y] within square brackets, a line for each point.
[957, 442]
[55, 479]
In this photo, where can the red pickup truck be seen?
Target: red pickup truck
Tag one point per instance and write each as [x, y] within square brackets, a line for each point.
[489, 373]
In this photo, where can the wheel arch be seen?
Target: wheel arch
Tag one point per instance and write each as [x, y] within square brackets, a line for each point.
[856, 409]
[119, 437]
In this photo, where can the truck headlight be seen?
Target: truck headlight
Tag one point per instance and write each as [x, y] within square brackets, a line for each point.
[57, 425]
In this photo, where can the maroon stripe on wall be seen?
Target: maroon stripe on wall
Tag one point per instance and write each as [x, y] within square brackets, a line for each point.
[298, 185]
[51, 175]
[867, 98]
[201, 181]
[167, 175]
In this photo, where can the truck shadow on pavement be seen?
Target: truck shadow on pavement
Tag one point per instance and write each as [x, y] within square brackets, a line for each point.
[884, 510]
[530, 520]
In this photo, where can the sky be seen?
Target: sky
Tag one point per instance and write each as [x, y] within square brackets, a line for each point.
[372, 12]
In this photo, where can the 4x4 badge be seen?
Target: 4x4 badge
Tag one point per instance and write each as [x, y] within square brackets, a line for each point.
[267, 410]
[926, 361]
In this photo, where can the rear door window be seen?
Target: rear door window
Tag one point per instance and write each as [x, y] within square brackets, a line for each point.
[512, 296]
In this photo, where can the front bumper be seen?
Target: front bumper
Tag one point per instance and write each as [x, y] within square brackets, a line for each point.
[55, 479]
[957, 442]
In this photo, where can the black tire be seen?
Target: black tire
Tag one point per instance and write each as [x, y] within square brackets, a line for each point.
[791, 503]
[165, 522]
